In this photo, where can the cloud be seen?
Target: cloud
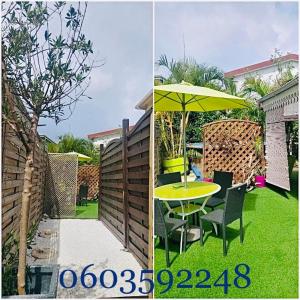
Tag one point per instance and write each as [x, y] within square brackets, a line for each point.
[122, 36]
[100, 81]
[226, 34]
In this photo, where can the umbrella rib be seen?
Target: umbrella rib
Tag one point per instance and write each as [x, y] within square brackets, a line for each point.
[243, 105]
[162, 96]
[239, 103]
[200, 105]
[166, 96]
[178, 96]
[189, 101]
[196, 100]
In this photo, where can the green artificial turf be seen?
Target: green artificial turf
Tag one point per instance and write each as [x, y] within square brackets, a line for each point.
[87, 212]
[270, 249]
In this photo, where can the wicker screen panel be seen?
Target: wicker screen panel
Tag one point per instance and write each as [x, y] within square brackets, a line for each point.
[277, 156]
[229, 145]
[61, 187]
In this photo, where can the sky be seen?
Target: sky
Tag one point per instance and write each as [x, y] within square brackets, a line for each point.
[228, 35]
[122, 37]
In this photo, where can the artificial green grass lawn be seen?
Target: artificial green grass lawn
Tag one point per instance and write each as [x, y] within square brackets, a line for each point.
[87, 212]
[270, 249]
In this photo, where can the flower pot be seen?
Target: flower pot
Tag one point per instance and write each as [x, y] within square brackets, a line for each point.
[206, 179]
[41, 282]
[260, 181]
[173, 165]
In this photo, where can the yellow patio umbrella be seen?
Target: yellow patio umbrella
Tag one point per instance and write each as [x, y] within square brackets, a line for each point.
[81, 157]
[185, 97]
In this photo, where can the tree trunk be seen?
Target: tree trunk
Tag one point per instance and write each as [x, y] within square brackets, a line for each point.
[25, 205]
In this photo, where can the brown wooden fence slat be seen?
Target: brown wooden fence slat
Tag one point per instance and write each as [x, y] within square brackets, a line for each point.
[124, 187]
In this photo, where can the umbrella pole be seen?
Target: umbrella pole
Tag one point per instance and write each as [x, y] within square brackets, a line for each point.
[184, 148]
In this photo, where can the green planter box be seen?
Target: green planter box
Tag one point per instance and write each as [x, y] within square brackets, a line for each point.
[173, 165]
[41, 282]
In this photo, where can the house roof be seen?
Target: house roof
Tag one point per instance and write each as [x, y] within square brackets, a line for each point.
[146, 102]
[105, 133]
[261, 65]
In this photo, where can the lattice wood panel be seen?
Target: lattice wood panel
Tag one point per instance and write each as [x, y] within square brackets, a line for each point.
[89, 174]
[229, 145]
[61, 187]
[138, 188]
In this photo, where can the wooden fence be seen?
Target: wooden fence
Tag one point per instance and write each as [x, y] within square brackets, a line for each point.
[13, 165]
[230, 145]
[89, 174]
[125, 176]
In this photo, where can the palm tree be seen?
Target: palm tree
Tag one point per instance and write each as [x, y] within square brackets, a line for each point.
[230, 86]
[190, 71]
[69, 143]
[256, 87]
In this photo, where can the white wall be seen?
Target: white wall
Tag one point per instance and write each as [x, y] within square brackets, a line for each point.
[267, 74]
[105, 140]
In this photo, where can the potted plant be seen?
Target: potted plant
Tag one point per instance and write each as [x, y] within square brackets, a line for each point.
[260, 177]
[171, 143]
[208, 177]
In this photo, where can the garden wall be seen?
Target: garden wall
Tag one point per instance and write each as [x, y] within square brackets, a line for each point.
[89, 174]
[125, 177]
[230, 145]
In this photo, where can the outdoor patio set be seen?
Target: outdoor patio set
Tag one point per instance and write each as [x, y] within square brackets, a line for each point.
[191, 198]
[173, 199]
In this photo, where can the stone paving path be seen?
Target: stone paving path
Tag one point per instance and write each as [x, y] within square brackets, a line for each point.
[74, 244]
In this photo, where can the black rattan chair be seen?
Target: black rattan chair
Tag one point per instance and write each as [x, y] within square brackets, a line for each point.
[164, 226]
[83, 194]
[232, 211]
[224, 179]
[169, 178]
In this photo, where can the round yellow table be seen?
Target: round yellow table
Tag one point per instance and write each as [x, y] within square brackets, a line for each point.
[195, 190]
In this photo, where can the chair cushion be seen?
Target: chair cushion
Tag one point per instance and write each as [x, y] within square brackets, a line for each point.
[215, 216]
[214, 201]
[188, 209]
[172, 224]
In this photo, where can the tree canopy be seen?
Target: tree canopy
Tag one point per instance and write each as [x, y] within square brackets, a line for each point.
[253, 88]
[69, 143]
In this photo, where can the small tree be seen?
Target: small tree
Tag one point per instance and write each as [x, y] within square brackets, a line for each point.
[46, 62]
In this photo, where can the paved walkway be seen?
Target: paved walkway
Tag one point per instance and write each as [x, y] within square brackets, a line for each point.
[74, 244]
